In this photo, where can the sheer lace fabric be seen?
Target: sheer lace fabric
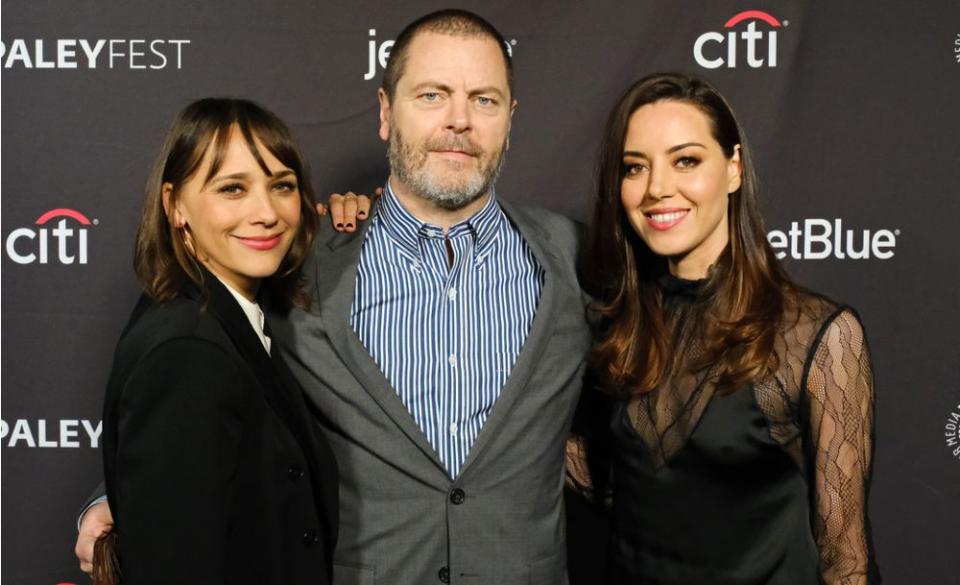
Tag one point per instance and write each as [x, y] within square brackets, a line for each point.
[818, 406]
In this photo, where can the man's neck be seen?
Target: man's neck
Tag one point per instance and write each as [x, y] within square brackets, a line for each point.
[429, 212]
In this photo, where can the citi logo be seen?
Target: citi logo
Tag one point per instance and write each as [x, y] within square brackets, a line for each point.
[714, 49]
[819, 239]
[67, 244]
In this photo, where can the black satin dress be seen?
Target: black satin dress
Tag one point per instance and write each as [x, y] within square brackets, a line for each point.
[728, 489]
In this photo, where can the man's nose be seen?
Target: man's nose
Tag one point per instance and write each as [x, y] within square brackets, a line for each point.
[458, 115]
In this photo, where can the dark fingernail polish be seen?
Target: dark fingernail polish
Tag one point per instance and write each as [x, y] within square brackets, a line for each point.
[339, 225]
[349, 226]
[362, 214]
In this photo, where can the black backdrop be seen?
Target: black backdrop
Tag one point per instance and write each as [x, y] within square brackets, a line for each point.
[856, 122]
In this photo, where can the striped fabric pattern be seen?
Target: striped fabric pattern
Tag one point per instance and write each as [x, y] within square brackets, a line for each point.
[446, 336]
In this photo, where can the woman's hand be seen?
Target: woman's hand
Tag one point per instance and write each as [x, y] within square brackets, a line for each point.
[346, 210]
[97, 520]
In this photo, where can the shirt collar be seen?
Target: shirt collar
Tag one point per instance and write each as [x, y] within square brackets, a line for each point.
[407, 229]
[253, 312]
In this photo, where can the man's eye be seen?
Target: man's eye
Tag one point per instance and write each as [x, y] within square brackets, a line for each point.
[486, 101]
[430, 96]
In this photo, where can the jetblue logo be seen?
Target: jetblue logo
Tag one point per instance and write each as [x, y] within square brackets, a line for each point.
[820, 239]
[378, 53]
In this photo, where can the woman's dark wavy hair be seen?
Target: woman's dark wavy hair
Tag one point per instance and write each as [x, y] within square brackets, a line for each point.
[634, 352]
[162, 260]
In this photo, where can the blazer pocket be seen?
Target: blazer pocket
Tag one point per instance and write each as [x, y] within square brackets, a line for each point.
[549, 570]
[353, 575]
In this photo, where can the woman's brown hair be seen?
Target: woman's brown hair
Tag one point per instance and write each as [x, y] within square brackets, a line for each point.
[746, 284]
[162, 260]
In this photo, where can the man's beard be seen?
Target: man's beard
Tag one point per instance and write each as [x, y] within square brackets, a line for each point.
[409, 163]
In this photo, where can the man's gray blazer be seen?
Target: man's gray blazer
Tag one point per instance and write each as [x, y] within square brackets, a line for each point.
[403, 520]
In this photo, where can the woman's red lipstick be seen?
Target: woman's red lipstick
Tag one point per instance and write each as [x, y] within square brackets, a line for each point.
[260, 242]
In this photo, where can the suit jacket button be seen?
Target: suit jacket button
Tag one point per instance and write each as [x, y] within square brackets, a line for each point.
[310, 537]
[294, 472]
[457, 496]
[444, 575]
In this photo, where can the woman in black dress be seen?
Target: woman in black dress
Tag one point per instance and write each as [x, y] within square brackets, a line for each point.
[739, 429]
[202, 421]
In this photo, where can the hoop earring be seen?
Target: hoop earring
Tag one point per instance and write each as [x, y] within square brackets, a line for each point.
[187, 239]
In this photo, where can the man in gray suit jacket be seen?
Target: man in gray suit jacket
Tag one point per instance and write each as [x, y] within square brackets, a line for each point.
[374, 354]
[445, 350]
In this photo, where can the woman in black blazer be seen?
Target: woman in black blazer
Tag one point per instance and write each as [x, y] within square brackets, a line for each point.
[201, 420]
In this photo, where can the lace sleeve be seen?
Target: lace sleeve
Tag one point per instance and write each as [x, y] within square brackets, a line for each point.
[839, 388]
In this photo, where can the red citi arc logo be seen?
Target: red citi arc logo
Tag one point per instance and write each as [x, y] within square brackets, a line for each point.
[712, 57]
[69, 243]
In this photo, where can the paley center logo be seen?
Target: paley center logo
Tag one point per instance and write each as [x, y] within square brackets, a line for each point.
[715, 49]
[92, 53]
[44, 434]
[65, 243]
[379, 53]
[952, 432]
[819, 239]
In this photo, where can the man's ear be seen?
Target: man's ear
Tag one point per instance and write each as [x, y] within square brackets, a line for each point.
[173, 214]
[384, 114]
[513, 108]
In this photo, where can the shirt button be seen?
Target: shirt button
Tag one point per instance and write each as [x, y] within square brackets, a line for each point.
[444, 575]
[452, 294]
[452, 360]
[457, 496]
[454, 428]
[294, 472]
[310, 537]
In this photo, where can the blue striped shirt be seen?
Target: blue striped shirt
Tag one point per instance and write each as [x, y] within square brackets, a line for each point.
[446, 334]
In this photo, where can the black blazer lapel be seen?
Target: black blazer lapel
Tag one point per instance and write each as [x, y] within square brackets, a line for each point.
[217, 300]
[280, 392]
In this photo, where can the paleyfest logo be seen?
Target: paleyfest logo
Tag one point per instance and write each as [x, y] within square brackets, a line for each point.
[47, 434]
[65, 243]
[714, 49]
[92, 53]
[379, 53]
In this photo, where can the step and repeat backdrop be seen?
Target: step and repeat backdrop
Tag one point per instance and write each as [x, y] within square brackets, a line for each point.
[853, 110]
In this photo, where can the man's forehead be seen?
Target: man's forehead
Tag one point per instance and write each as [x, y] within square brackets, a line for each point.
[476, 57]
